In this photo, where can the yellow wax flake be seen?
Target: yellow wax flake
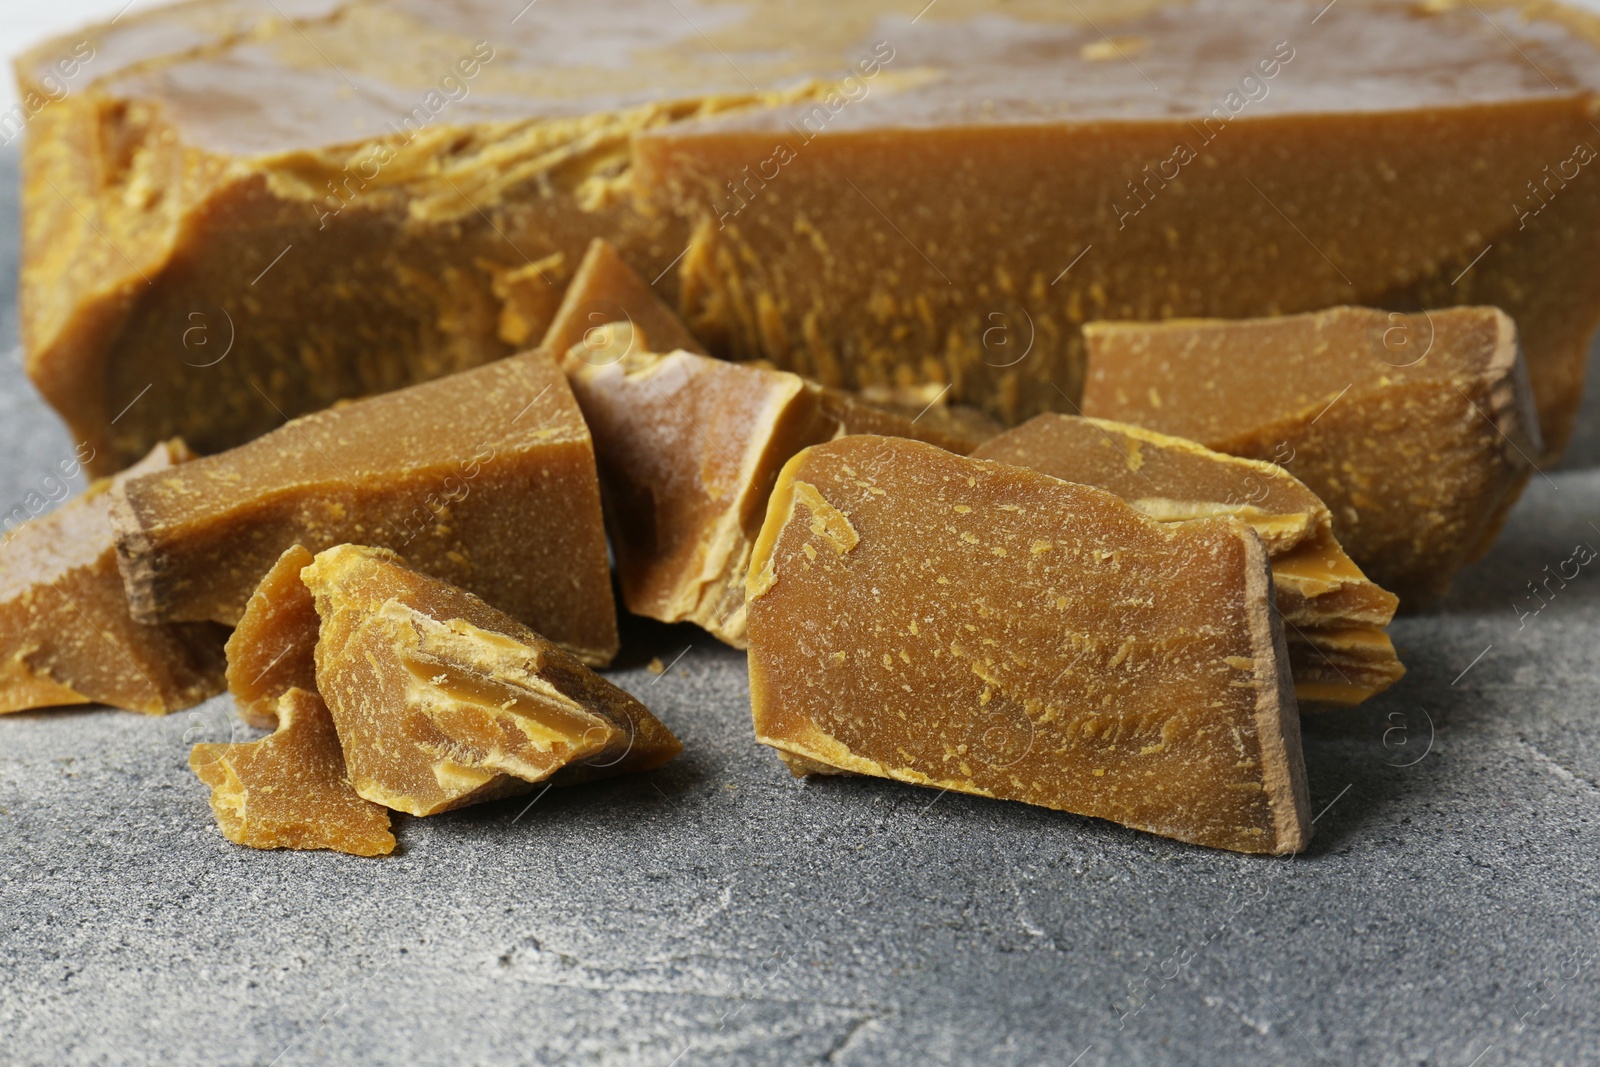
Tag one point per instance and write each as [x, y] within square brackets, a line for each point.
[827, 521]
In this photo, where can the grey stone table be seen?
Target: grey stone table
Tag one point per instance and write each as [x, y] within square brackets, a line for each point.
[718, 911]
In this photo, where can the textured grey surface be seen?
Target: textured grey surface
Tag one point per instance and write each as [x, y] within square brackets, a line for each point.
[719, 912]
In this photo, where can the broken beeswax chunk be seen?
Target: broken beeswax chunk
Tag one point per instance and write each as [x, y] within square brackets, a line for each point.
[986, 628]
[1339, 653]
[442, 701]
[485, 479]
[289, 790]
[212, 160]
[604, 289]
[1417, 430]
[66, 636]
[273, 648]
[688, 448]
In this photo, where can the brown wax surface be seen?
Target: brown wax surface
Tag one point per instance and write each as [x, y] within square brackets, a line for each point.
[1166, 477]
[688, 448]
[1339, 653]
[441, 700]
[1195, 192]
[976, 626]
[1416, 430]
[619, 54]
[305, 180]
[951, 427]
[605, 289]
[272, 650]
[485, 479]
[932, 403]
[66, 636]
[289, 790]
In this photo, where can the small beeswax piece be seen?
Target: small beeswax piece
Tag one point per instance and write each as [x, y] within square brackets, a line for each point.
[273, 649]
[688, 449]
[289, 790]
[485, 479]
[604, 290]
[441, 700]
[975, 626]
[1417, 430]
[1339, 653]
[66, 636]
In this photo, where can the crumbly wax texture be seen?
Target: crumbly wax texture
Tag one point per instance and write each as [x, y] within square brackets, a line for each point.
[66, 635]
[970, 625]
[1334, 616]
[289, 790]
[229, 256]
[441, 700]
[1417, 429]
[485, 479]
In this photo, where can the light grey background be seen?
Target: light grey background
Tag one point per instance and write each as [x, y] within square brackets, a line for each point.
[717, 911]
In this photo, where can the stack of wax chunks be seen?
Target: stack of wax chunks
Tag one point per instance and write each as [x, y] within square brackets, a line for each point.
[1018, 465]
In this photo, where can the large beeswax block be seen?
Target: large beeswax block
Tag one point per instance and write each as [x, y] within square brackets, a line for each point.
[337, 197]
